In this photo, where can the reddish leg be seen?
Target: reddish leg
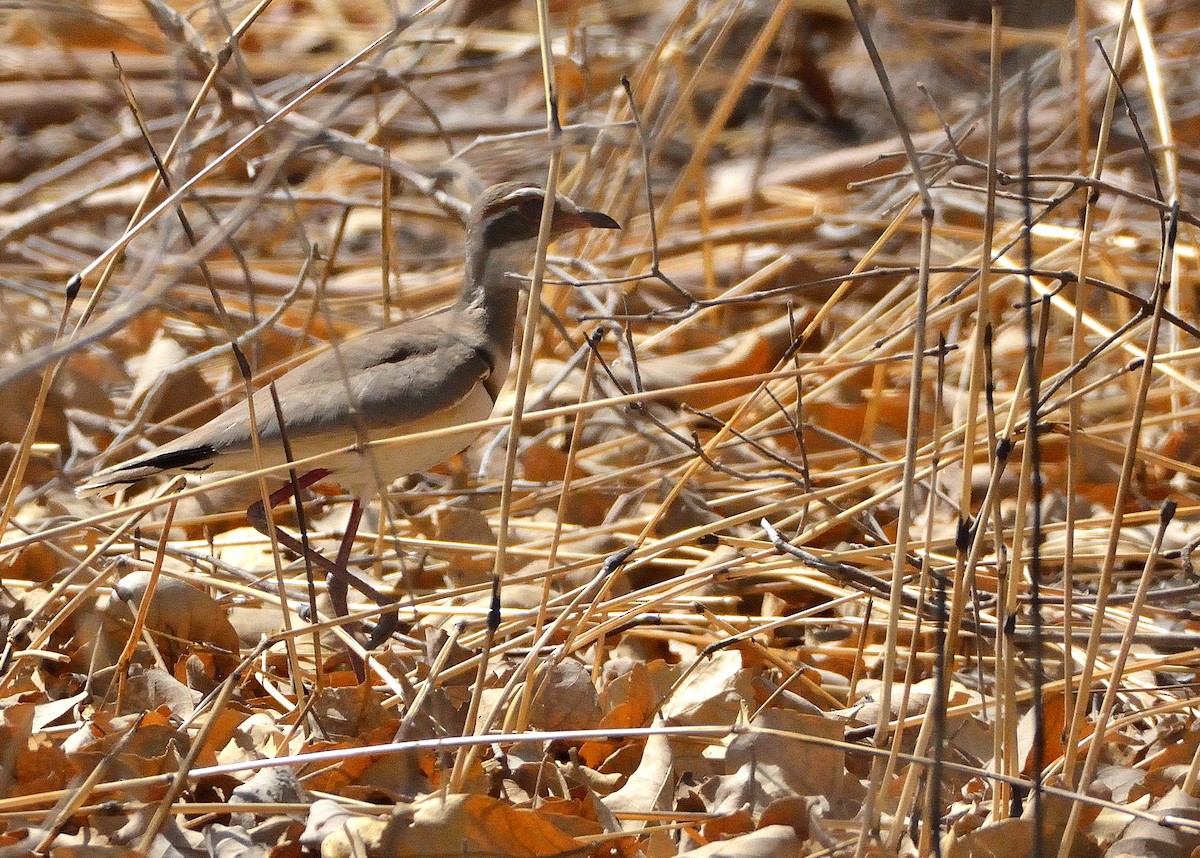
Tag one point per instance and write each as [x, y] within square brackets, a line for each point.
[338, 575]
[338, 584]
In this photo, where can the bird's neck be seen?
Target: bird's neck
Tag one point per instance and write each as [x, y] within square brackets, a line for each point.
[489, 298]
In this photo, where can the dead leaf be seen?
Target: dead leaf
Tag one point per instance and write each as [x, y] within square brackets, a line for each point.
[147, 689]
[1144, 837]
[649, 787]
[129, 745]
[16, 727]
[801, 768]
[452, 826]
[325, 817]
[565, 698]
[155, 373]
[353, 711]
[465, 526]
[181, 614]
[274, 785]
[712, 693]
[1009, 838]
[776, 841]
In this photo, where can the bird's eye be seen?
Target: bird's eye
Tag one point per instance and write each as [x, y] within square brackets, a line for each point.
[530, 211]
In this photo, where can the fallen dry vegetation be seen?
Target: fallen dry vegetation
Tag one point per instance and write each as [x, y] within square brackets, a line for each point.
[854, 495]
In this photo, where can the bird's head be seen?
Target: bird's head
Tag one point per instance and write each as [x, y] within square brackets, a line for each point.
[511, 213]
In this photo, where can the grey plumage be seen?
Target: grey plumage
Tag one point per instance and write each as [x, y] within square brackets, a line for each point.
[435, 372]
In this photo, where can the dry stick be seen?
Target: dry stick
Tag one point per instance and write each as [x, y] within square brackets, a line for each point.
[585, 391]
[27, 622]
[982, 308]
[694, 533]
[651, 217]
[270, 122]
[871, 810]
[45, 356]
[664, 100]
[733, 90]
[321, 287]
[797, 422]
[139, 621]
[769, 119]
[310, 462]
[705, 455]
[137, 424]
[1069, 554]
[1192, 777]
[13, 479]
[74, 798]
[242, 363]
[15, 476]
[764, 273]
[716, 734]
[266, 502]
[319, 290]
[1083, 116]
[1034, 359]
[1014, 421]
[1124, 488]
[36, 649]
[849, 336]
[587, 593]
[833, 474]
[691, 533]
[1189, 657]
[964, 582]
[435, 671]
[931, 831]
[180, 778]
[975, 384]
[1032, 478]
[1168, 151]
[815, 692]
[936, 703]
[387, 241]
[464, 759]
[1117, 671]
[19, 194]
[1063, 278]
[1075, 423]
[1005, 746]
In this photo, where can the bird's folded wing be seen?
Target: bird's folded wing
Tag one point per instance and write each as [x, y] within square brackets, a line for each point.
[382, 380]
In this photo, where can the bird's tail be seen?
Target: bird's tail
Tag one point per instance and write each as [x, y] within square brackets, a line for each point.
[153, 464]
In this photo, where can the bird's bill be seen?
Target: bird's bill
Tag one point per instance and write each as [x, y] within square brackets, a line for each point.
[583, 218]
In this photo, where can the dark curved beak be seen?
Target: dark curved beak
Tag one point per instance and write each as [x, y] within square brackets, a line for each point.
[583, 218]
[598, 219]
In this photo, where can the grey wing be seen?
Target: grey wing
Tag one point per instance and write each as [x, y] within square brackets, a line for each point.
[388, 383]
[389, 378]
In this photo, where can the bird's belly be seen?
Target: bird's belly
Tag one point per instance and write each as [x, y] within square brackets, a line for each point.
[400, 454]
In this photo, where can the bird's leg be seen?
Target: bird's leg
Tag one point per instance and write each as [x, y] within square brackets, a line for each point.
[387, 622]
[339, 583]
[339, 576]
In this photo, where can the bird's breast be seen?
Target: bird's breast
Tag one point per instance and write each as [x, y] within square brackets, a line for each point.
[415, 446]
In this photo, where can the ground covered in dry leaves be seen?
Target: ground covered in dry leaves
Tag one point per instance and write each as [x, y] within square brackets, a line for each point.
[854, 495]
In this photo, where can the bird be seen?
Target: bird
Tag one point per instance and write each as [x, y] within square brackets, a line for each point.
[437, 371]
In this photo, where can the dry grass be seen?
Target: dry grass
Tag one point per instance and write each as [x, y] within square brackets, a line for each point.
[749, 459]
